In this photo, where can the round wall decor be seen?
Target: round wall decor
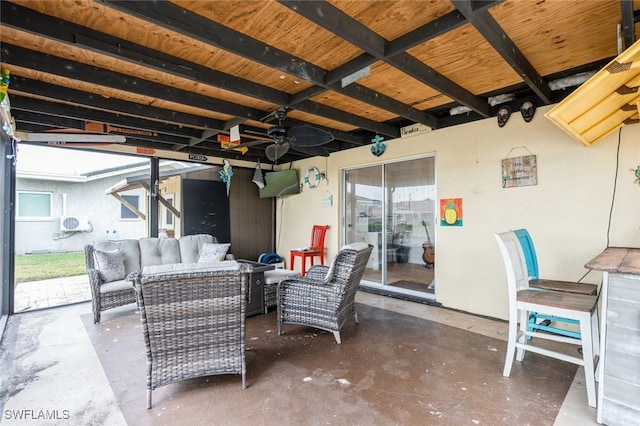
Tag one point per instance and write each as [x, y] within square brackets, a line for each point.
[313, 177]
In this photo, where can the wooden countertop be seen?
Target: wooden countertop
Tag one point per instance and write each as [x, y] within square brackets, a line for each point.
[618, 260]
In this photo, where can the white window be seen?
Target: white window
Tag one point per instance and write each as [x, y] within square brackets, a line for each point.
[33, 205]
[167, 215]
[126, 212]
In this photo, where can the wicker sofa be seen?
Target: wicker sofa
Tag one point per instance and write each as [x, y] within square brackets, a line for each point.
[193, 320]
[110, 264]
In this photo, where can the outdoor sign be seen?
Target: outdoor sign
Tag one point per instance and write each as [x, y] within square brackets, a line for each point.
[227, 143]
[414, 129]
[197, 157]
[146, 151]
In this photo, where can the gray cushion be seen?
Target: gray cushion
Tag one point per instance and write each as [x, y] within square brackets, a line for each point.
[276, 275]
[191, 245]
[128, 248]
[359, 246]
[178, 268]
[159, 251]
[115, 286]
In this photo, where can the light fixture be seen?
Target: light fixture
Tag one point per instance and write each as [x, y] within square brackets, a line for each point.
[503, 115]
[528, 109]
[258, 177]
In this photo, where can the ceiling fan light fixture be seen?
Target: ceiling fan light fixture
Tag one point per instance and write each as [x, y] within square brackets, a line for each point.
[275, 151]
[504, 112]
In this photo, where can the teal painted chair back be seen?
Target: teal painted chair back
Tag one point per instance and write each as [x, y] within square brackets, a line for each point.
[532, 270]
[529, 252]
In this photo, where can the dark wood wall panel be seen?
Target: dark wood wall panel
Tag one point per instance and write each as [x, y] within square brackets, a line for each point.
[252, 218]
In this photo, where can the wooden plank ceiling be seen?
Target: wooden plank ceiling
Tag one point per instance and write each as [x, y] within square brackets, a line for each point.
[170, 75]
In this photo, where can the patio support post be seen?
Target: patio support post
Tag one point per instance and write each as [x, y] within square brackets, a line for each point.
[153, 196]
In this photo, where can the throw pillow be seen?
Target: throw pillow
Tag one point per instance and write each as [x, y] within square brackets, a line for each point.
[212, 252]
[110, 265]
[356, 246]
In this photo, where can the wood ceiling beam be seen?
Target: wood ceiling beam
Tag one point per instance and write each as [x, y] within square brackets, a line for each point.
[419, 35]
[134, 124]
[14, 55]
[344, 26]
[23, 85]
[430, 30]
[53, 65]
[148, 129]
[25, 19]
[31, 116]
[150, 135]
[65, 94]
[74, 96]
[23, 118]
[628, 23]
[159, 143]
[500, 41]
[70, 33]
[177, 19]
[39, 122]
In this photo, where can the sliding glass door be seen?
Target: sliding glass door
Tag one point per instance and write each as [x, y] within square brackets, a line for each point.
[364, 204]
[392, 207]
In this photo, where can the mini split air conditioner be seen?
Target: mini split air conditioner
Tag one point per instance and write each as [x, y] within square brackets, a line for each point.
[75, 223]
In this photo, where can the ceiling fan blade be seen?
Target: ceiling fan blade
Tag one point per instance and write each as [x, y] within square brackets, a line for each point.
[206, 134]
[318, 151]
[253, 132]
[276, 151]
[309, 136]
[251, 143]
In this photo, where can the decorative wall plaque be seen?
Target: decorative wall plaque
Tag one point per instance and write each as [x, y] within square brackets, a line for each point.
[519, 171]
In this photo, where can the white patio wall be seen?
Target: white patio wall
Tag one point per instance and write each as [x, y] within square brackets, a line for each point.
[567, 212]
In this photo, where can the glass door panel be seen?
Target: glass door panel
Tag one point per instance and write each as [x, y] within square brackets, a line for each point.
[364, 213]
[411, 218]
[392, 207]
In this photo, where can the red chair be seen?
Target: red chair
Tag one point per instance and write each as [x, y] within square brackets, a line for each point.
[315, 249]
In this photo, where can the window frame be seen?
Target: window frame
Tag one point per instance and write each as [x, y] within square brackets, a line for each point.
[34, 218]
[168, 218]
[124, 208]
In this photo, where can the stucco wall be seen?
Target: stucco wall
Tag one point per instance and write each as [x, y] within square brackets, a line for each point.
[82, 199]
[567, 212]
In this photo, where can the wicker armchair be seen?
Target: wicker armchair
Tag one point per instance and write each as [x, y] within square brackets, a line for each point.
[193, 323]
[108, 295]
[324, 298]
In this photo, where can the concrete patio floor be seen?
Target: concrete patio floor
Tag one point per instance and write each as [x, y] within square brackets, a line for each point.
[47, 360]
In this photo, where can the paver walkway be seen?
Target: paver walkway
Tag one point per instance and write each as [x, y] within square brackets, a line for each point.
[49, 293]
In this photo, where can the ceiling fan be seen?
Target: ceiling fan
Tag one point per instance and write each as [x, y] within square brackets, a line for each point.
[305, 139]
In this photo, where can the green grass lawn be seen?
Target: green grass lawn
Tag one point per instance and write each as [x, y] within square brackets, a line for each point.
[35, 267]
